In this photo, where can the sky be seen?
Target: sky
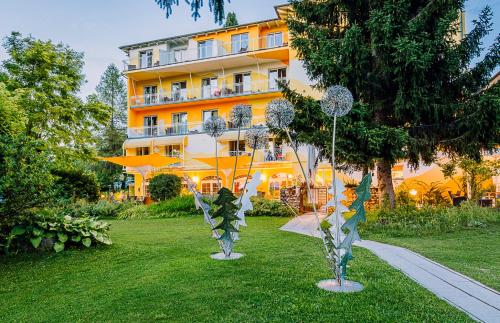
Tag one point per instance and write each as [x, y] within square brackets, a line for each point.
[99, 27]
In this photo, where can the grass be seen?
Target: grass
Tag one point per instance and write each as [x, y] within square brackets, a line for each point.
[474, 252]
[160, 270]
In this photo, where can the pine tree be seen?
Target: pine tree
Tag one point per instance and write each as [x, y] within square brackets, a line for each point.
[227, 211]
[415, 89]
[231, 20]
[215, 6]
[112, 92]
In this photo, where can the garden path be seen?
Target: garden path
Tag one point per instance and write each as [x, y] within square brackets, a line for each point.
[477, 300]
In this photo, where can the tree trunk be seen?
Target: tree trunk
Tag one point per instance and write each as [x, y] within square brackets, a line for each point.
[385, 187]
[365, 170]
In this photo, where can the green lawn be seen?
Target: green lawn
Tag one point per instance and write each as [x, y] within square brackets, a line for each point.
[473, 252]
[160, 270]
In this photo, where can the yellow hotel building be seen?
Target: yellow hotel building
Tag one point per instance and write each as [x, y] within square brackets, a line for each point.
[176, 83]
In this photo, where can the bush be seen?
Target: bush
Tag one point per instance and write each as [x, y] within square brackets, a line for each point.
[263, 207]
[48, 229]
[164, 186]
[175, 207]
[410, 221]
[101, 209]
[76, 184]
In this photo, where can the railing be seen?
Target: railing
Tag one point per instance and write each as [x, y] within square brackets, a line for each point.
[233, 153]
[222, 90]
[274, 155]
[180, 129]
[208, 50]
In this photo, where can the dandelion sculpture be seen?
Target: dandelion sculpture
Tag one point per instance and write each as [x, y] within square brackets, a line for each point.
[241, 115]
[215, 127]
[279, 115]
[255, 138]
[337, 102]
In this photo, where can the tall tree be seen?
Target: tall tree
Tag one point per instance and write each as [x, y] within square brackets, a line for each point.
[48, 77]
[415, 88]
[112, 92]
[231, 20]
[215, 6]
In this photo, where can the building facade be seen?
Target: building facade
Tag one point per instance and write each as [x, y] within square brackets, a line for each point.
[177, 83]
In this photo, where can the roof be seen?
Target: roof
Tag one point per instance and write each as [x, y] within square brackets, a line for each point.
[126, 48]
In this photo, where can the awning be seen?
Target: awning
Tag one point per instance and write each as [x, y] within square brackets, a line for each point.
[225, 162]
[135, 143]
[171, 140]
[232, 135]
[154, 160]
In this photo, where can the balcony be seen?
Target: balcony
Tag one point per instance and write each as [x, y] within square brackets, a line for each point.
[207, 50]
[205, 93]
[178, 129]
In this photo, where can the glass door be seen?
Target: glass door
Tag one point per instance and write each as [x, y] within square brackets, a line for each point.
[208, 87]
[150, 126]
[242, 83]
[179, 123]
[239, 43]
[179, 91]
[150, 94]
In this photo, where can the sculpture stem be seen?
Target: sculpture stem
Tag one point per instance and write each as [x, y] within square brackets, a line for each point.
[309, 195]
[335, 199]
[217, 165]
[249, 169]
[236, 159]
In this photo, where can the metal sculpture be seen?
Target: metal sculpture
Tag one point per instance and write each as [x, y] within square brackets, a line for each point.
[215, 127]
[241, 115]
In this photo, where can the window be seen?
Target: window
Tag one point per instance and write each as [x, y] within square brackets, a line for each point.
[150, 94]
[173, 150]
[208, 87]
[274, 40]
[233, 148]
[209, 185]
[179, 91]
[275, 76]
[150, 126]
[146, 58]
[142, 151]
[179, 123]
[242, 83]
[209, 114]
[239, 43]
[205, 48]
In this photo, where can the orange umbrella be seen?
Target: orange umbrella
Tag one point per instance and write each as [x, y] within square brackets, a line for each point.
[142, 164]
[154, 160]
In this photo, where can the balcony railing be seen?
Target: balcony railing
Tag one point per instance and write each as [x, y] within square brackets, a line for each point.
[206, 93]
[180, 129]
[208, 51]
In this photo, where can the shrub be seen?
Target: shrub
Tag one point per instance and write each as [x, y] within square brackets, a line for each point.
[101, 209]
[263, 207]
[164, 186]
[48, 229]
[410, 221]
[76, 184]
[175, 207]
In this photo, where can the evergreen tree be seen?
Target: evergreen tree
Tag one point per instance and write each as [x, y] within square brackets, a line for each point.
[415, 88]
[215, 6]
[112, 92]
[231, 20]
[227, 211]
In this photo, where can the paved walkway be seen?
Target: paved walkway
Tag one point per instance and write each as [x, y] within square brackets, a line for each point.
[477, 300]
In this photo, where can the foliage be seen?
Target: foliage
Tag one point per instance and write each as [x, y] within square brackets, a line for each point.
[109, 144]
[74, 184]
[11, 113]
[25, 178]
[165, 186]
[112, 91]
[48, 77]
[102, 209]
[227, 212]
[231, 20]
[409, 221]
[47, 229]
[175, 207]
[475, 173]
[217, 6]
[263, 207]
[414, 90]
